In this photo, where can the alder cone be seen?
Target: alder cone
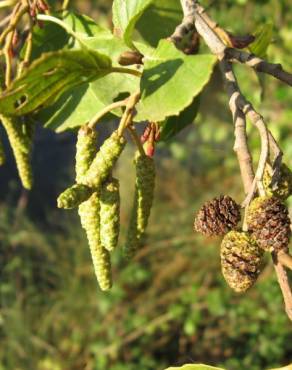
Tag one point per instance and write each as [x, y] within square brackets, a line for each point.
[268, 221]
[241, 260]
[283, 189]
[217, 216]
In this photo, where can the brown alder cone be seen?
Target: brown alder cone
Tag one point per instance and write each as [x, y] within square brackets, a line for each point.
[217, 216]
[268, 221]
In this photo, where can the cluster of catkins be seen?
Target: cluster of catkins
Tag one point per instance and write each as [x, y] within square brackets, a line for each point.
[96, 194]
[268, 225]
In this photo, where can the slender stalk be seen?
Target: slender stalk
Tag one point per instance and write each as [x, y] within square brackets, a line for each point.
[136, 139]
[106, 110]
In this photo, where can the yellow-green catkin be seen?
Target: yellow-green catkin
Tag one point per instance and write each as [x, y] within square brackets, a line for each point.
[104, 160]
[73, 196]
[86, 148]
[143, 198]
[110, 214]
[2, 154]
[89, 212]
[20, 138]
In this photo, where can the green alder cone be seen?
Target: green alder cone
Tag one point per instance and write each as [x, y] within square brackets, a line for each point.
[284, 186]
[20, 138]
[89, 212]
[241, 260]
[143, 199]
[86, 148]
[110, 214]
[73, 196]
[104, 160]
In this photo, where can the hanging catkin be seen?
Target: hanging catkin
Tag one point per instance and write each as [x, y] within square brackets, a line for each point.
[20, 138]
[90, 221]
[86, 148]
[143, 198]
[2, 154]
[104, 161]
[110, 214]
[73, 196]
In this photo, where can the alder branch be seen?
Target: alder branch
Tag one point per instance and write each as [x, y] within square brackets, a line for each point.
[260, 65]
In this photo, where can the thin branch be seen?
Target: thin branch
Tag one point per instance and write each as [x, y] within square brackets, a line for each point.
[284, 285]
[13, 22]
[136, 139]
[129, 112]
[106, 110]
[260, 65]
[65, 4]
[285, 259]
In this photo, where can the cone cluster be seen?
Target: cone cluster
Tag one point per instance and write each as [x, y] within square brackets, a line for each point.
[217, 216]
[268, 221]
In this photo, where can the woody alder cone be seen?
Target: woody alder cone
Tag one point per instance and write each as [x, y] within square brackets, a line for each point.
[241, 260]
[217, 216]
[269, 222]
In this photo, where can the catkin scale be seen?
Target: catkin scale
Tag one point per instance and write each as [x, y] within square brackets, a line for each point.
[143, 198]
[283, 188]
[21, 142]
[110, 214]
[86, 148]
[73, 196]
[89, 212]
[104, 161]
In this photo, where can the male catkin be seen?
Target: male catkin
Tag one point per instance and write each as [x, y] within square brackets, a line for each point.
[2, 154]
[21, 142]
[110, 214]
[104, 161]
[143, 198]
[86, 148]
[90, 221]
[73, 196]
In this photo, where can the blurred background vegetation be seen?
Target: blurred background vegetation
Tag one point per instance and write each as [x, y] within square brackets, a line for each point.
[170, 305]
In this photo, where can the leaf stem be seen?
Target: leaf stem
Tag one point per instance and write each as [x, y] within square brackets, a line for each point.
[128, 113]
[106, 110]
[65, 4]
[136, 139]
[130, 71]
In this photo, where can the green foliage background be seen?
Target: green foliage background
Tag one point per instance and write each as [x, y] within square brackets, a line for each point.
[170, 305]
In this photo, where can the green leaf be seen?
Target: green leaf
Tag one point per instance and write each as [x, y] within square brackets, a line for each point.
[173, 125]
[50, 76]
[125, 15]
[80, 104]
[195, 367]
[170, 81]
[159, 20]
[263, 38]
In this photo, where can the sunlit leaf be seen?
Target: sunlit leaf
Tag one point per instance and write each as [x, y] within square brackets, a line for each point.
[170, 81]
